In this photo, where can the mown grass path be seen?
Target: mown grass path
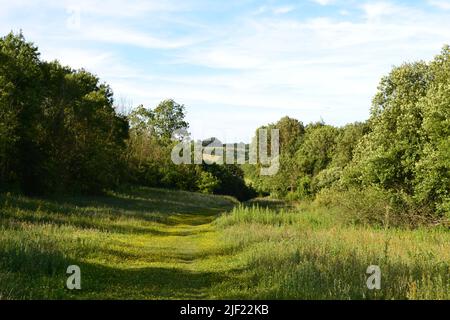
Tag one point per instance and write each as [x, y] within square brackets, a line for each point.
[139, 244]
[159, 244]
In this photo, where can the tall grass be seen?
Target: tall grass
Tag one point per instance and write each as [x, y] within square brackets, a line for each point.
[374, 206]
[300, 254]
[129, 244]
[158, 244]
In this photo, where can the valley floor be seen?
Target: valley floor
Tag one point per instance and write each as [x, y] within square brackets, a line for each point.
[158, 244]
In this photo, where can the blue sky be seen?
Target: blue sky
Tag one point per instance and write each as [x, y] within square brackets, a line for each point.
[237, 65]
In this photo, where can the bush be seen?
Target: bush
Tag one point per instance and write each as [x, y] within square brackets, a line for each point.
[377, 207]
[231, 181]
[207, 183]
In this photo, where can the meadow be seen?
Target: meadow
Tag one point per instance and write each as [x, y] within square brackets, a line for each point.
[145, 243]
[307, 252]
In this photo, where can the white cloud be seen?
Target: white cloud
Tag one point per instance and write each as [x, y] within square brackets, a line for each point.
[375, 10]
[105, 64]
[283, 10]
[316, 67]
[119, 8]
[324, 2]
[257, 66]
[441, 4]
[127, 36]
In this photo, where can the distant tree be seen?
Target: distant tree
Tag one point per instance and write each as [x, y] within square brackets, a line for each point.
[346, 142]
[212, 142]
[291, 133]
[141, 120]
[168, 117]
[317, 149]
[230, 181]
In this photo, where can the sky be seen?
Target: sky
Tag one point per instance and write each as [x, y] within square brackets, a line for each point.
[236, 64]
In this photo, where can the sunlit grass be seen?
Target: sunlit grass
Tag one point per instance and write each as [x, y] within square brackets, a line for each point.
[141, 243]
[308, 255]
[146, 243]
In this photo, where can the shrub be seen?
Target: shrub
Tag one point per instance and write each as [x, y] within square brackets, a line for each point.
[376, 206]
[207, 183]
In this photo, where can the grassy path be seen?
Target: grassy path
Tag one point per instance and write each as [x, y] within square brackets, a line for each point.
[158, 244]
[140, 244]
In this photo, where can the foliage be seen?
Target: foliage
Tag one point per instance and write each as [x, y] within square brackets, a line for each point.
[149, 156]
[207, 183]
[406, 151]
[59, 130]
[402, 153]
[231, 181]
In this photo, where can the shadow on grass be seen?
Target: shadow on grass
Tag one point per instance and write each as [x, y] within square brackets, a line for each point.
[103, 282]
[37, 270]
[104, 212]
[34, 266]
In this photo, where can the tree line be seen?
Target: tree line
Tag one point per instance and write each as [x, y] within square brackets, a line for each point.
[60, 132]
[392, 168]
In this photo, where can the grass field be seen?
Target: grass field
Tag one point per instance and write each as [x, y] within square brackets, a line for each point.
[157, 244]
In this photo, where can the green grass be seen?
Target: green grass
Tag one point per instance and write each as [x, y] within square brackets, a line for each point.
[146, 243]
[143, 243]
[304, 253]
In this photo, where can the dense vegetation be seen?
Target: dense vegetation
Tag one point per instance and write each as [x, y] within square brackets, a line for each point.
[58, 128]
[60, 133]
[393, 168]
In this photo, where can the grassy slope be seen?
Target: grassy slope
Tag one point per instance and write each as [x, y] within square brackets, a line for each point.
[156, 244]
[146, 243]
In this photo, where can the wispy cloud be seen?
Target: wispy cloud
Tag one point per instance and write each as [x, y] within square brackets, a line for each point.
[256, 62]
[127, 36]
[324, 2]
[283, 10]
[441, 4]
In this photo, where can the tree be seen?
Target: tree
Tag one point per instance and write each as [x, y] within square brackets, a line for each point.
[291, 132]
[389, 152]
[317, 149]
[150, 145]
[59, 130]
[20, 97]
[168, 117]
[406, 151]
[346, 141]
[432, 179]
